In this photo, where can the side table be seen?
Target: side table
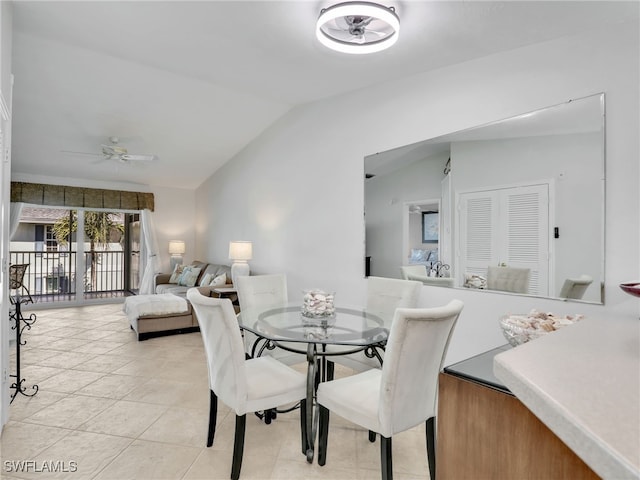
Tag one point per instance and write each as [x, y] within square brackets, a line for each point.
[227, 292]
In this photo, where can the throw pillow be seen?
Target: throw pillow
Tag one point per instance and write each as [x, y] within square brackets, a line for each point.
[419, 255]
[189, 276]
[206, 279]
[175, 276]
[219, 281]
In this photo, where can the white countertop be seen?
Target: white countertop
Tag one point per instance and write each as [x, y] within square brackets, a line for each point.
[583, 382]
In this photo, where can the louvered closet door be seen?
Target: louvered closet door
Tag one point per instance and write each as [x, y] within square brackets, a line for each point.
[445, 223]
[526, 233]
[478, 229]
[507, 226]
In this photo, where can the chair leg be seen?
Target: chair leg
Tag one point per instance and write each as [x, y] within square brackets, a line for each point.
[330, 370]
[213, 412]
[303, 426]
[372, 436]
[317, 378]
[385, 458]
[323, 434]
[431, 446]
[238, 446]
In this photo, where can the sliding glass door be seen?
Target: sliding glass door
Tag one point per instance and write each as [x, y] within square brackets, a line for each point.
[76, 255]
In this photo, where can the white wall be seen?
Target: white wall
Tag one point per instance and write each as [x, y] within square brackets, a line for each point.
[6, 20]
[174, 219]
[297, 191]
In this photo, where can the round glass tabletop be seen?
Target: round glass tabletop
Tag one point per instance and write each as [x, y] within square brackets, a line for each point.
[349, 326]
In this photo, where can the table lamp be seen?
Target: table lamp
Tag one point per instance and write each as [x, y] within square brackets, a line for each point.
[240, 251]
[176, 250]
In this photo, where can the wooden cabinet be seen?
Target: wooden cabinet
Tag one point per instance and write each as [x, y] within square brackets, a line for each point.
[484, 433]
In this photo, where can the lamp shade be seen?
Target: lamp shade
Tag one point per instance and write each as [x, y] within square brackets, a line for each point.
[240, 250]
[176, 247]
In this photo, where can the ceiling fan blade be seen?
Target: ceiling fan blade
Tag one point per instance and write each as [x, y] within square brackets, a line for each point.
[82, 153]
[137, 158]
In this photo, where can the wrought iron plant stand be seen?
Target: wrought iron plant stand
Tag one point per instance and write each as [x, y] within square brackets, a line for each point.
[20, 323]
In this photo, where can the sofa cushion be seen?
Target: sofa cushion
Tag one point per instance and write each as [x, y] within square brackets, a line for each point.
[179, 290]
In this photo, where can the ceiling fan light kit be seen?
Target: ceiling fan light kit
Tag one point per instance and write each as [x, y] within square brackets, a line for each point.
[358, 27]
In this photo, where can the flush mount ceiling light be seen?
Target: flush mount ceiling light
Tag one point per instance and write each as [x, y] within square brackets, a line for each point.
[358, 27]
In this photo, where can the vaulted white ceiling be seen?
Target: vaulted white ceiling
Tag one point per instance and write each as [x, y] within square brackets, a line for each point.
[195, 82]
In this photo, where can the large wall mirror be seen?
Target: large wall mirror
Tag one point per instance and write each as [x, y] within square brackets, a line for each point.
[514, 206]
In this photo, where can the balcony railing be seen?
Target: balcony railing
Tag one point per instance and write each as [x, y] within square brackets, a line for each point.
[51, 276]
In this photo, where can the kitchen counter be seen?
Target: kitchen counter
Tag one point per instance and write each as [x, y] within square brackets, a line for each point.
[583, 383]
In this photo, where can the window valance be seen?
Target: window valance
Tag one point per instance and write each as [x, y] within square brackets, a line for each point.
[80, 197]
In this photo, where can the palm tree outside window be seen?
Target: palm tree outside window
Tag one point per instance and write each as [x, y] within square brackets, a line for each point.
[100, 229]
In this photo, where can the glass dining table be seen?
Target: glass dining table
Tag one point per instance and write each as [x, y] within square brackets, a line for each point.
[348, 331]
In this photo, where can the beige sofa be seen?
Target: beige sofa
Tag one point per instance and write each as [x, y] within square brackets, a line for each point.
[162, 285]
[148, 326]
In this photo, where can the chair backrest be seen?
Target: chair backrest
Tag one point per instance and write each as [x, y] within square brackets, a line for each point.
[384, 295]
[223, 347]
[575, 287]
[508, 279]
[409, 272]
[262, 290]
[416, 348]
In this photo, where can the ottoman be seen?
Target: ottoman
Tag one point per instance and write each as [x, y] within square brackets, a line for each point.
[158, 315]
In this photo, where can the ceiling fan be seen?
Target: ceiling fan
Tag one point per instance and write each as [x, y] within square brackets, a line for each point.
[355, 29]
[113, 151]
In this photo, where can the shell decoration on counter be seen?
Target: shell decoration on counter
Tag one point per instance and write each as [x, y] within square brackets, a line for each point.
[317, 304]
[520, 328]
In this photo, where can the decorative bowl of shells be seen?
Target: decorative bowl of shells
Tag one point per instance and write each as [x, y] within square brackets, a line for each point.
[317, 304]
[520, 328]
[632, 288]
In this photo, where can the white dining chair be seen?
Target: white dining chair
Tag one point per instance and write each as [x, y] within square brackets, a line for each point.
[245, 386]
[575, 288]
[401, 395]
[419, 273]
[414, 272]
[508, 279]
[384, 295]
[264, 291]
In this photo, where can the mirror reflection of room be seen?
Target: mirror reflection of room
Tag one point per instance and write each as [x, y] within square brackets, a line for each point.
[518, 206]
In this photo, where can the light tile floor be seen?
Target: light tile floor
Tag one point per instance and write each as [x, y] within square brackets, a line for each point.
[110, 407]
